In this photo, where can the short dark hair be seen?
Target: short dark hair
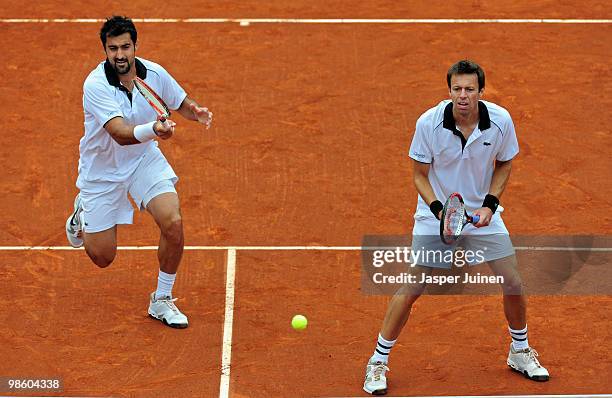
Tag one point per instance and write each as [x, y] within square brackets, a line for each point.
[116, 26]
[466, 67]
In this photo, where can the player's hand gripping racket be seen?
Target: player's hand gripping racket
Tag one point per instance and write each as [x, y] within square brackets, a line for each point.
[160, 107]
[454, 218]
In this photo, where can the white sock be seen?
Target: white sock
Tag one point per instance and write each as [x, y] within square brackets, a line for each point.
[164, 284]
[519, 338]
[383, 348]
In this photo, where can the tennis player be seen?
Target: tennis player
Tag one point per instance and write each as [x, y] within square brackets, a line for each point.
[463, 145]
[119, 155]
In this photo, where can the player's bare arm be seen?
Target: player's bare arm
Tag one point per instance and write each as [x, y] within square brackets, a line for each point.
[190, 110]
[501, 175]
[420, 175]
[123, 133]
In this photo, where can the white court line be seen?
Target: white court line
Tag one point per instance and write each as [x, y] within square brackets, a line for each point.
[563, 249]
[226, 355]
[321, 21]
[284, 248]
[70, 248]
[507, 396]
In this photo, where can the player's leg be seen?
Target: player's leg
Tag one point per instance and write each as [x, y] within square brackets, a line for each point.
[521, 356]
[400, 306]
[398, 312]
[165, 210]
[495, 248]
[515, 303]
[98, 209]
[101, 247]
[401, 303]
[153, 189]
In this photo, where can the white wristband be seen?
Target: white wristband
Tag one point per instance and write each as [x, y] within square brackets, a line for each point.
[145, 132]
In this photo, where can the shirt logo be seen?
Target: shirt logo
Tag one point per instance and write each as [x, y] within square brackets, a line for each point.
[486, 143]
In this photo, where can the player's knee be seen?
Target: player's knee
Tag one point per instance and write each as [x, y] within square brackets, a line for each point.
[412, 298]
[414, 291]
[406, 303]
[512, 286]
[410, 294]
[173, 229]
[100, 258]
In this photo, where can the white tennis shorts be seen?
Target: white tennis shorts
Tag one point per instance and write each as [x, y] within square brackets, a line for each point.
[476, 245]
[106, 204]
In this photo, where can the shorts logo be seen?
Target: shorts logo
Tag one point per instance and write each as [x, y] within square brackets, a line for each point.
[486, 143]
[419, 155]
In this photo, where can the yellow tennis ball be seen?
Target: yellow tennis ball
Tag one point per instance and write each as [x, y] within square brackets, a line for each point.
[299, 322]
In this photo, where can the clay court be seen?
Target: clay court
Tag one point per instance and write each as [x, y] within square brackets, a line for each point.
[307, 154]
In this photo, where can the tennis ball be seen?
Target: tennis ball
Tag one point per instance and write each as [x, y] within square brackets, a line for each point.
[299, 322]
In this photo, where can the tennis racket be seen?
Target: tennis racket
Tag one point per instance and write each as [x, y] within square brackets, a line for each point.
[160, 107]
[454, 218]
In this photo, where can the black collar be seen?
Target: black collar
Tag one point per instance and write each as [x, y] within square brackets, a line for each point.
[484, 121]
[113, 79]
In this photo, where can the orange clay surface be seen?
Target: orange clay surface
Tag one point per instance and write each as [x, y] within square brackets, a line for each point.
[309, 147]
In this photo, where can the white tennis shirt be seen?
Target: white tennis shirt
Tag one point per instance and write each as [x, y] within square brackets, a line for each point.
[457, 165]
[104, 98]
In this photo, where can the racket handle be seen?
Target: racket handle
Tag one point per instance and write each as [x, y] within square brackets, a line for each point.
[475, 218]
[164, 121]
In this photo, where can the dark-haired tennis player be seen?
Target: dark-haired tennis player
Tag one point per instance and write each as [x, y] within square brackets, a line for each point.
[463, 145]
[119, 156]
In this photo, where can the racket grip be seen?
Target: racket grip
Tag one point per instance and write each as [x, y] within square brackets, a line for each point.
[475, 218]
[164, 121]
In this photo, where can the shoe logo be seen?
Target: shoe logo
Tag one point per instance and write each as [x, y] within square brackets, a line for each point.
[486, 143]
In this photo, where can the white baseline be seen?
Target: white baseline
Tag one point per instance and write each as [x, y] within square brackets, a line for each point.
[284, 248]
[323, 21]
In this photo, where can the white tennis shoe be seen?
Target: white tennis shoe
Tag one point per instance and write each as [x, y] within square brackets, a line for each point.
[164, 310]
[526, 362]
[375, 380]
[74, 224]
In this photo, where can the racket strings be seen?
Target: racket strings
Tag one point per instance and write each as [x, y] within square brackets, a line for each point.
[454, 218]
[147, 92]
